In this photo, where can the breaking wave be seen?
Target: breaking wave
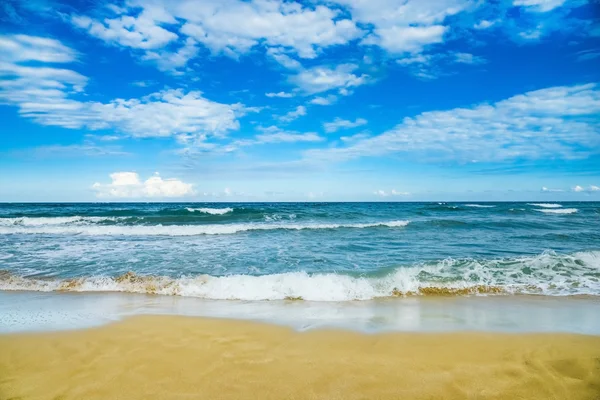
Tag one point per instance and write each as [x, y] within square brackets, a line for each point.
[558, 210]
[479, 205]
[47, 221]
[548, 273]
[212, 211]
[546, 205]
[176, 230]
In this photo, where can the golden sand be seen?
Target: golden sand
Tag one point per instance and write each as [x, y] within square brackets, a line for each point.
[167, 357]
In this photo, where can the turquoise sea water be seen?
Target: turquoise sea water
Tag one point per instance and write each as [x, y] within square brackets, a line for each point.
[312, 251]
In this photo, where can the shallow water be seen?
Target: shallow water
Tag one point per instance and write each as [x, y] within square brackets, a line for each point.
[310, 251]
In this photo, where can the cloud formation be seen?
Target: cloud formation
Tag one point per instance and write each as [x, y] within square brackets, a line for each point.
[46, 93]
[339, 123]
[129, 185]
[323, 78]
[557, 122]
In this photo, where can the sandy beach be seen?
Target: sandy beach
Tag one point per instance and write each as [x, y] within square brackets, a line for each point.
[174, 357]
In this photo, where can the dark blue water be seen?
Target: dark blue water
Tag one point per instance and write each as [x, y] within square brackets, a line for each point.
[314, 251]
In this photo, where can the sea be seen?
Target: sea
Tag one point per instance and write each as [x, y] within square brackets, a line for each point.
[303, 252]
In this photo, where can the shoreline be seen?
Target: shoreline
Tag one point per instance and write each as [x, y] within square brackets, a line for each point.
[176, 357]
[52, 311]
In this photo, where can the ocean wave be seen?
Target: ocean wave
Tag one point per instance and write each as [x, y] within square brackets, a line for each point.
[212, 211]
[546, 205]
[50, 221]
[548, 274]
[181, 230]
[558, 210]
[479, 205]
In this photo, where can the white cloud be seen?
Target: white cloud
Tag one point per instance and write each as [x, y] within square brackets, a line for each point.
[393, 192]
[539, 5]
[590, 188]
[545, 189]
[339, 123]
[558, 122]
[468, 58]
[278, 54]
[356, 137]
[137, 32]
[44, 92]
[398, 39]
[233, 27]
[484, 24]
[16, 48]
[324, 100]
[407, 25]
[280, 94]
[294, 114]
[279, 136]
[321, 79]
[273, 134]
[129, 185]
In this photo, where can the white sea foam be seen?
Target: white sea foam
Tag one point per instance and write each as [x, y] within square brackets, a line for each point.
[479, 205]
[558, 210]
[180, 230]
[546, 205]
[212, 211]
[53, 221]
[547, 273]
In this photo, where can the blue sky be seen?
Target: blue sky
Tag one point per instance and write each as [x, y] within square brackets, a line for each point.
[266, 100]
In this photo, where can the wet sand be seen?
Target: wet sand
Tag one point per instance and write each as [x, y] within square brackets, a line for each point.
[174, 357]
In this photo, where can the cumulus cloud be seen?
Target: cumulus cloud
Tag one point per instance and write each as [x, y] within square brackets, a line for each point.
[324, 100]
[545, 189]
[228, 27]
[44, 92]
[129, 185]
[339, 123]
[393, 192]
[321, 78]
[557, 122]
[590, 188]
[405, 26]
[139, 32]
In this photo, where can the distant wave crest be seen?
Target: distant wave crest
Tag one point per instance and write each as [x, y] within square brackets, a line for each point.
[178, 230]
[558, 210]
[546, 205]
[212, 211]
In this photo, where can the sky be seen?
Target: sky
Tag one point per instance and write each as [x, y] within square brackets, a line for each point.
[271, 100]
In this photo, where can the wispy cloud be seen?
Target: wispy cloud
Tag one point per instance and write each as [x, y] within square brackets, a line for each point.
[339, 123]
[294, 114]
[565, 117]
